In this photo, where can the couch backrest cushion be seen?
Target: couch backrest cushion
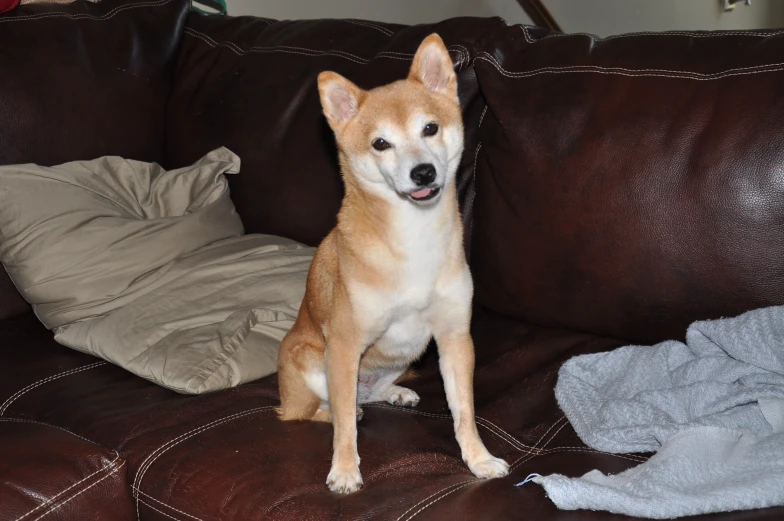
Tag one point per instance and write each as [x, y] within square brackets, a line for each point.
[83, 80]
[631, 185]
[250, 84]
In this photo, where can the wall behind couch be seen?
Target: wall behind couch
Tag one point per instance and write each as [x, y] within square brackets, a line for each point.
[601, 17]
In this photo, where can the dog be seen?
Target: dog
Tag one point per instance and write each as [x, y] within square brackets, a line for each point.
[392, 274]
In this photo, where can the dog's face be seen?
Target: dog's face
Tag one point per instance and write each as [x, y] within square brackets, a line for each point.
[402, 141]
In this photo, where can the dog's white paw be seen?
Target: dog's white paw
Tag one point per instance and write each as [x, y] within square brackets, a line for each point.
[402, 396]
[344, 481]
[489, 467]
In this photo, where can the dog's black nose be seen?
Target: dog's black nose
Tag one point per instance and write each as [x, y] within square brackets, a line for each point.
[423, 174]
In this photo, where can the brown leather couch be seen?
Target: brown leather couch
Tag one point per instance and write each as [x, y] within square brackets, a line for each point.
[613, 190]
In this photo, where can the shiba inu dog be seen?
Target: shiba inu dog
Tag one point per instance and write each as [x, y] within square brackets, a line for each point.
[392, 274]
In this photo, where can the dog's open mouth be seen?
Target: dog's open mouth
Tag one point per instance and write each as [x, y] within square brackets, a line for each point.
[425, 194]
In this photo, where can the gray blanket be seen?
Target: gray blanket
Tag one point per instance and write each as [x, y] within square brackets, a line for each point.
[712, 409]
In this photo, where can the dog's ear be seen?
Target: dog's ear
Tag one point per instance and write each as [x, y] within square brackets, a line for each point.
[432, 67]
[340, 98]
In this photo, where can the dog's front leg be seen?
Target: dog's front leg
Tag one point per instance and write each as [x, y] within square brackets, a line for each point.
[343, 354]
[456, 360]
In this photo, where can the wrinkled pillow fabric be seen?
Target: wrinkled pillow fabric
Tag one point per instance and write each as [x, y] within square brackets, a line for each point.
[150, 269]
[83, 238]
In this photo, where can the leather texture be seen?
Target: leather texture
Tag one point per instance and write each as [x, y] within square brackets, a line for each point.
[611, 205]
[225, 456]
[96, 85]
[623, 187]
[50, 473]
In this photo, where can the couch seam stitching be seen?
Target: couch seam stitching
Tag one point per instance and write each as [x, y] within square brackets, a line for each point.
[51, 501]
[148, 462]
[116, 468]
[487, 424]
[42, 381]
[453, 485]
[371, 25]
[305, 51]
[539, 452]
[164, 504]
[34, 422]
[159, 511]
[479, 420]
[634, 73]
[99, 18]
[436, 500]
[716, 34]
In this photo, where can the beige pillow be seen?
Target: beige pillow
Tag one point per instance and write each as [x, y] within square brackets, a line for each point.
[149, 268]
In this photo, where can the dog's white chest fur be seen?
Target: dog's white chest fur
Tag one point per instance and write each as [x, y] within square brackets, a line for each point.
[399, 318]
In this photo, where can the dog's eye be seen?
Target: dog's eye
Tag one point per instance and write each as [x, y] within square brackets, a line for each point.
[431, 129]
[380, 144]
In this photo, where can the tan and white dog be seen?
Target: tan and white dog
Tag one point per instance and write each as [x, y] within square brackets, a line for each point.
[392, 274]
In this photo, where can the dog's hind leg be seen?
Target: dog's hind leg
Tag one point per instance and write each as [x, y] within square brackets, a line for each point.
[302, 381]
[386, 390]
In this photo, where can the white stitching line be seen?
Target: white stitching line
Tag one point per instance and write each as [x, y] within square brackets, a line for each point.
[556, 422]
[469, 205]
[164, 504]
[439, 498]
[371, 25]
[482, 117]
[159, 511]
[118, 467]
[21, 420]
[499, 432]
[408, 55]
[33, 385]
[691, 74]
[557, 450]
[629, 457]
[283, 49]
[503, 435]
[197, 430]
[707, 34]
[526, 35]
[459, 483]
[554, 434]
[535, 450]
[618, 71]
[463, 55]
[487, 424]
[539, 452]
[466, 56]
[137, 482]
[239, 51]
[49, 502]
[100, 18]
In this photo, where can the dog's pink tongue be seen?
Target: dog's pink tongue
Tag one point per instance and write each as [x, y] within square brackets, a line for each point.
[421, 193]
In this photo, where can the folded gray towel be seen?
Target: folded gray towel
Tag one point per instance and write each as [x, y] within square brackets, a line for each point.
[712, 409]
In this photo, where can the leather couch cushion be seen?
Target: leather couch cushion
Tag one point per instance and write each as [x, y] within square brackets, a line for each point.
[226, 456]
[82, 80]
[632, 185]
[50, 473]
[250, 84]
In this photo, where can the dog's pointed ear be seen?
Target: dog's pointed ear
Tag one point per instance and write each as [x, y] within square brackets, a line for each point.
[433, 68]
[340, 98]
